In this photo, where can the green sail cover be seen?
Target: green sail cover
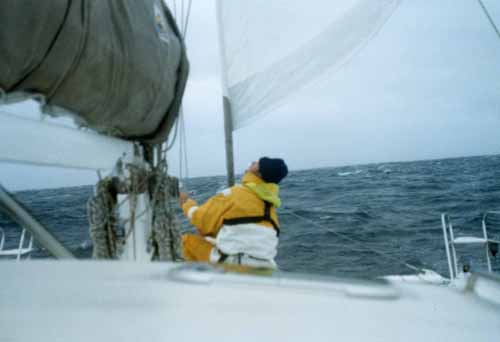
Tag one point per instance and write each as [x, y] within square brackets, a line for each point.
[119, 66]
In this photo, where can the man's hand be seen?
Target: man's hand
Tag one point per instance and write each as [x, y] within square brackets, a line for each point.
[183, 197]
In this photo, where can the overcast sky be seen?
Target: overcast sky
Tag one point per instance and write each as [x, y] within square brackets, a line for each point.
[427, 86]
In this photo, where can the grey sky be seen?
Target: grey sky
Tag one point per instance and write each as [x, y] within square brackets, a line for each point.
[427, 86]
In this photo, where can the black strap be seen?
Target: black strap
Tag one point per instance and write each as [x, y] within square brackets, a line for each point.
[223, 257]
[255, 219]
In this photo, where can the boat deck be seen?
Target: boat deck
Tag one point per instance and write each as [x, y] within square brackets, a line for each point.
[103, 301]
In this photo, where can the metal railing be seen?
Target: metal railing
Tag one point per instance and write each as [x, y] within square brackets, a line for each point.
[18, 252]
[490, 245]
[18, 214]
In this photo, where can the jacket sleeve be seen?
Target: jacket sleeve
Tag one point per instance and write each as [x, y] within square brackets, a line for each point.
[208, 217]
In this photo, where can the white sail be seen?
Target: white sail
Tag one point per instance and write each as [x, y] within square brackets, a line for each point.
[270, 50]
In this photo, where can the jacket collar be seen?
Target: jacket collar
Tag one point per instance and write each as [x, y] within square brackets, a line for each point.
[265, 191]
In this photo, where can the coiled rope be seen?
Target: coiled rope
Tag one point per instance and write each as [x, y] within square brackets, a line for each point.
[101, 212]
[165, 240]
[166, 236]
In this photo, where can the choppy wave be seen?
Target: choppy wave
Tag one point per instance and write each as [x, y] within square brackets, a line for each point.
[349, 173]
[367, 219]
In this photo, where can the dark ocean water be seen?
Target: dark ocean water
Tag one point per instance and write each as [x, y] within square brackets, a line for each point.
[367, 219]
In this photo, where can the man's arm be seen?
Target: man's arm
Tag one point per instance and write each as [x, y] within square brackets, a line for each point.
[208, 217]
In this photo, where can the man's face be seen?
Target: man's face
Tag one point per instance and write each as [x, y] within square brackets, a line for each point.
[254, 168]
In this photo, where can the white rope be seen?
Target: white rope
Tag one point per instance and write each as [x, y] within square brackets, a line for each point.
[485, 10]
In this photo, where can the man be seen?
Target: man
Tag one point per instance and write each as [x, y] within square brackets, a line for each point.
[238, 225]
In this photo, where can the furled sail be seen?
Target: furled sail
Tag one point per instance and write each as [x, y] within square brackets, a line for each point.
[270, 50]
[119, 66]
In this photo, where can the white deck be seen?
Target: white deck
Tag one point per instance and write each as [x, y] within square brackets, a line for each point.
[118, 301]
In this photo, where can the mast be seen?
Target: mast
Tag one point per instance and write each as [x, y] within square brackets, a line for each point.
[228, 131]
[228, 115]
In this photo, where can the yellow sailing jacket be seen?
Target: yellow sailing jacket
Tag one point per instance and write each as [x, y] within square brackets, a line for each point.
[242, 200]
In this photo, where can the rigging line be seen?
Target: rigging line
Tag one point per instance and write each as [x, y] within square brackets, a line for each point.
[159, 153]
[183, 132]
[182, 15]
[186, 166]
[485, 10]
[184, 169]
[175, 10]
[174, 138]
[410, 266]
[181, 146]
[186, 25]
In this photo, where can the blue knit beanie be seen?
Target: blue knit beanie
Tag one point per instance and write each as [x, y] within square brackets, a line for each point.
[272, 170]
